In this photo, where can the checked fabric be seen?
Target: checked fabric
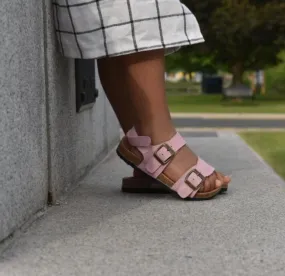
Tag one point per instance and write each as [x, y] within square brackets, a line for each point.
[101, 28]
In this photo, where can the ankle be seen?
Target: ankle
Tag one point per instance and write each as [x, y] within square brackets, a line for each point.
[158, 134]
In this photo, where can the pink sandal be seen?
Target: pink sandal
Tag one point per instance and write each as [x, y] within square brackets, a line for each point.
[138, 152]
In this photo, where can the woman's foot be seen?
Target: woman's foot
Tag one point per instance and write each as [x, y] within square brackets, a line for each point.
[186, 158]
[179, 165]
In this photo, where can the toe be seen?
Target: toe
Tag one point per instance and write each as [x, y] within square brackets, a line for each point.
[227, 179]
[212, 180]
[224, 179]
[216, 180]
[207, 185]
[218, 183]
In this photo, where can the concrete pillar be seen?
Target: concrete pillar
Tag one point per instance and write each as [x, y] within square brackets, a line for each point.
[45, 146]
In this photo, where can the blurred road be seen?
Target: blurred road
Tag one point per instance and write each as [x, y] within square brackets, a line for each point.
[228, 123]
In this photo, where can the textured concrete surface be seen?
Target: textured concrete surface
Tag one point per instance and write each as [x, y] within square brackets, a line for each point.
[77, 140]
[99, 231]
[23, 145]
[44, 145]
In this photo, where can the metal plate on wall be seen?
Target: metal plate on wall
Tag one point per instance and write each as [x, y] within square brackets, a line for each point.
[86, 91]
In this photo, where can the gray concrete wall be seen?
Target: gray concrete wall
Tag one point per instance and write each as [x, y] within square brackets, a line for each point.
[45, 145]
[23, 143]
[77, 140]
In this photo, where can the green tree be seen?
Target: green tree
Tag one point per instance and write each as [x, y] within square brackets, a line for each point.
[242, 34]
[275, 76]
[189, 62]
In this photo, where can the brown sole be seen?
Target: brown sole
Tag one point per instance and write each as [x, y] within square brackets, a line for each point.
[148, 185]
[143, 185]
[131, 159]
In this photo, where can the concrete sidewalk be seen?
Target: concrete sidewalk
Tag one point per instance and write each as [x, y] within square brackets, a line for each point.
[97, 230]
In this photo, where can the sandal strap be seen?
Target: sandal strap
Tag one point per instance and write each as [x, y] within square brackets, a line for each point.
[137, 141]
[190, 182]
[155, 157]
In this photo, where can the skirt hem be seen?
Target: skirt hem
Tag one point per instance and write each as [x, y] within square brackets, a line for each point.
[169, 49]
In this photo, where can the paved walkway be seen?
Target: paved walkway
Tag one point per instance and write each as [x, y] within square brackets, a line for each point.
[99, 231]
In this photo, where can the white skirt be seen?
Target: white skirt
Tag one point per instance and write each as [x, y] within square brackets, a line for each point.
[103, 28]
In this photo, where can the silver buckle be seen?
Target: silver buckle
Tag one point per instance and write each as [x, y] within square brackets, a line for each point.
[169, 149]
[197, 174]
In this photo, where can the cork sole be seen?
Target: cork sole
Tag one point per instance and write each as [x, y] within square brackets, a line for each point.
[125, 152]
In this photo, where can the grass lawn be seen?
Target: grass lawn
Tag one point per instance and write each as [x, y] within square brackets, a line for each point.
[271, 146]
[183, 102]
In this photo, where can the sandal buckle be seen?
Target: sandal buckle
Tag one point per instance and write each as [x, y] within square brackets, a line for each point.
[169, 149]
[198, 175]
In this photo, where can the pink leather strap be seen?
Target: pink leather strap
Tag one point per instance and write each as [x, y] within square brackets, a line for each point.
[138, 141]
[156, 157]
[191, 181]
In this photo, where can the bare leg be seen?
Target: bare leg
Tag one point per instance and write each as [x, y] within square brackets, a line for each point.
[115, 81]
[143, 74]
[113, 78]
[145, 78]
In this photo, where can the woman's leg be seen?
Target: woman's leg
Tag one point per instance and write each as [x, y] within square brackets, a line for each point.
[112, 76]
[113, 79]
[143, 78]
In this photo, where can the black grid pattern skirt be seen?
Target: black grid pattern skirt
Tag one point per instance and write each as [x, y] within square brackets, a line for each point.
[99, 28]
